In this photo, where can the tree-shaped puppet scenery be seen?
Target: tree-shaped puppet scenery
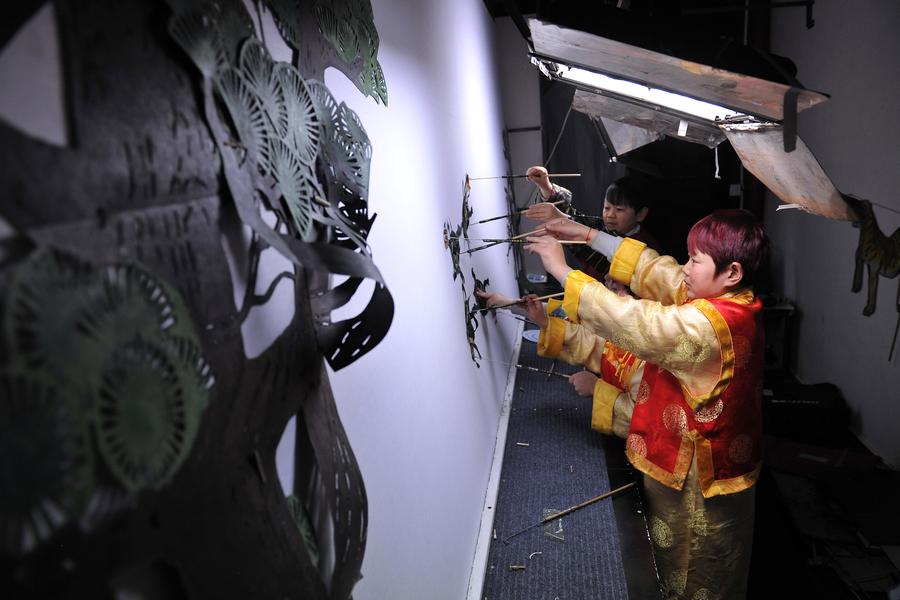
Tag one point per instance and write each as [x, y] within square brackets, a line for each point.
[139, 417]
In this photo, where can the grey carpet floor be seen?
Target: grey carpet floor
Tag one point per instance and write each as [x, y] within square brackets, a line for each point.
[553, 460]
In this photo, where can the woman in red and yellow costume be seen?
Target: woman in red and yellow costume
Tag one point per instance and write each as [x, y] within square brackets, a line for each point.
[696, 427]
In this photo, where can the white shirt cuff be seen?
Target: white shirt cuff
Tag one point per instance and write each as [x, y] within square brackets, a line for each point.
[605, 244]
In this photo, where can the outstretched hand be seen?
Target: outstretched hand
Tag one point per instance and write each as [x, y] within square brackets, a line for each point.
[539, 177]
[567, 229]
[544, 211]
[551, 253]
[583, 382]
[537, 312]
[493, 299]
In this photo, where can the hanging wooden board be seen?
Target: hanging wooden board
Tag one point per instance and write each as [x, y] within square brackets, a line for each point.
[795, 177]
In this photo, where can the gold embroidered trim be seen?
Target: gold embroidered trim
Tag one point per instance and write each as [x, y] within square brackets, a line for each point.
[726, 372]
[709, 485]
[625, 260]
[743, 296]
[674, 480]
[734, 485]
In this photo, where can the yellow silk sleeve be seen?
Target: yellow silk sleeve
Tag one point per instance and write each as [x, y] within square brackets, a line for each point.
[677, 337]
[604, 403]
[552, 305]
[625, 260]
[658, 278]
[575, 281]
[571, 343]
[649, 275]
[582, 347]
[550, 339]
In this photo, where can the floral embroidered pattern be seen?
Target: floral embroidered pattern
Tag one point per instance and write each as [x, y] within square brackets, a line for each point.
[675, 419]
[676, 583]
[624, 340]
[708, 414]
[636, 445]
[698, 522]
[661, 533]
[688, 350]
[643, 393]
[702, 594]
[741, 448]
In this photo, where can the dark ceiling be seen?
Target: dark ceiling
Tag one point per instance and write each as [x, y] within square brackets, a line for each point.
[711, 32]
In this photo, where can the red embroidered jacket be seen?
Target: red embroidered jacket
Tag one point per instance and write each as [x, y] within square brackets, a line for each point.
[726, 433]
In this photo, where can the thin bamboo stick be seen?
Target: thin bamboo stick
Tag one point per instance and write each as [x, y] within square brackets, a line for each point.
[520, 301]
[512, 214]
[563, 513]
[521, 176]
[527, 233]
[513, 240]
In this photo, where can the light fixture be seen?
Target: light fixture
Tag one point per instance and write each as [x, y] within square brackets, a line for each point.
[635, 96]
[643, 93]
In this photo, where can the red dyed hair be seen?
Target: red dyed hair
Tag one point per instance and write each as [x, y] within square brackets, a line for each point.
[733, 235]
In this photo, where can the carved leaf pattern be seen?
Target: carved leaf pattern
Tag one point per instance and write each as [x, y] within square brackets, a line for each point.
[126, 352]
[298, 187]
[258, 71]
[351, 151]
[196, 34]
[379, 85]
[300, 123]
[291, 130]
[350, 29]
[353, 213]
[141, 418]
[247, 116]
[233, 25]
[325, 105]
[451, 242]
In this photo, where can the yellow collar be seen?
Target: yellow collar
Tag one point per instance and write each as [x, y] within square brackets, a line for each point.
[742, 295]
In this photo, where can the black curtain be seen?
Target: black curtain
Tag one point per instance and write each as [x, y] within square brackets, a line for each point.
[680, 175]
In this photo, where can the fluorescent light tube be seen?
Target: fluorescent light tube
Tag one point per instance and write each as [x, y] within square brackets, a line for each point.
[683, 104]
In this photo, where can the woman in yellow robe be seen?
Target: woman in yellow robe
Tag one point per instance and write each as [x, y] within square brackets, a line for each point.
[696, 427]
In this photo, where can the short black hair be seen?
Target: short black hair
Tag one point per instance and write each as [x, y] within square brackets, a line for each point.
[629, 191]
[731, 235]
